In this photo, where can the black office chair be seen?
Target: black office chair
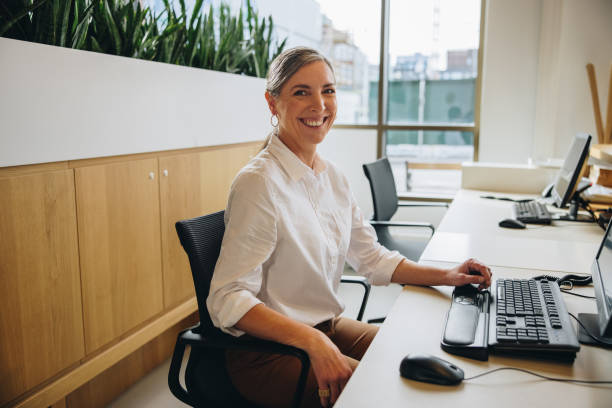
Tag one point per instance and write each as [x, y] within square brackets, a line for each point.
[386, 203]
[206, 378]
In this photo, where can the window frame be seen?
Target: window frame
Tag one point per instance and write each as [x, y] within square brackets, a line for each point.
[382, 127]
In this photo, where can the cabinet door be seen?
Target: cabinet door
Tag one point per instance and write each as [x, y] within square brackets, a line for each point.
[192, 185]
[41, 325]
[119, 241]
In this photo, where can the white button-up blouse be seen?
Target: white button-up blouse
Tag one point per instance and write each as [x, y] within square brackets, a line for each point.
[288, 231]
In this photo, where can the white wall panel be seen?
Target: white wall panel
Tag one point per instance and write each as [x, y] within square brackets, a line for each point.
[62, 104]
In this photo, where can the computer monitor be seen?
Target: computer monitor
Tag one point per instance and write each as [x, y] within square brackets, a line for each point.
[600, 324]
[569, 175]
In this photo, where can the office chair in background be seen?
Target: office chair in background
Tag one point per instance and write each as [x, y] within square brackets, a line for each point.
[385, 203]
[206, 378]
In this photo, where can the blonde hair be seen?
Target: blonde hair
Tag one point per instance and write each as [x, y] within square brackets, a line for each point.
[284, 66]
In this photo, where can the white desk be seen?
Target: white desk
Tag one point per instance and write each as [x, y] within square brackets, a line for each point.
[470, 230]
[415, 325]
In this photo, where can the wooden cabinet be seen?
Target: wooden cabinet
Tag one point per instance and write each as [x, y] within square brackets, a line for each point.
[119, 243]
[41, 329]
[91, 267]
[192, 185]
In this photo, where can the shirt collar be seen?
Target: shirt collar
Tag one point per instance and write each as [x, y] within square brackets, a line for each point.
[291, 163]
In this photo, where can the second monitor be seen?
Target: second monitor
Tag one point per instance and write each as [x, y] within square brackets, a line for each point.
[567, 179]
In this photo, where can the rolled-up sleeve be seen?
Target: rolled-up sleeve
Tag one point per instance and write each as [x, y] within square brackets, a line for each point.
[366, 255]
[249, 239]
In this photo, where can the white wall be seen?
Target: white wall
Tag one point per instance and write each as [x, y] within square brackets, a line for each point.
[535, 93]
[586, 36]
[349, 149]
[61, 104]
[509, 80]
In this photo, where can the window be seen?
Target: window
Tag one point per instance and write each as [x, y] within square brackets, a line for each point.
[431, 79]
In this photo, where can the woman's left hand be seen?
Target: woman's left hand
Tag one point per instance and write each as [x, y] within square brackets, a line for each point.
[470, 271]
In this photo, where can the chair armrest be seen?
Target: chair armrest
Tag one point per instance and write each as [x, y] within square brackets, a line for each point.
[225, 341]
[366, 291]
[425, 204]
[404, 224]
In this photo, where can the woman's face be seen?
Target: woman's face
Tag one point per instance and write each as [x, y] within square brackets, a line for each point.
[306, 107]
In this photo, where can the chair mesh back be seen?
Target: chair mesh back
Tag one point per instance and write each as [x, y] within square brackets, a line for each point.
[382, 186]
[201, 238]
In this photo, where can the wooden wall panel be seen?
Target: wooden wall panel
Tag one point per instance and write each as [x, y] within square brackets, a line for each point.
[120, 253]
[192, 185]
[107, 386]
[41, 326]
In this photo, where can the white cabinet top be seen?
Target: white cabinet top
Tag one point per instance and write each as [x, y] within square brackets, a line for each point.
[62, 104]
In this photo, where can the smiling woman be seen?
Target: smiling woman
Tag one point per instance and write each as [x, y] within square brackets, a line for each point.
[291, 222]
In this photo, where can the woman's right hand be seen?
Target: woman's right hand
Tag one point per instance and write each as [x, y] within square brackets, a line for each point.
[330, 366]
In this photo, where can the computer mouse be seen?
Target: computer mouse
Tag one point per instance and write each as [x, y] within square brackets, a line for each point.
[430, 369]
[511, 223]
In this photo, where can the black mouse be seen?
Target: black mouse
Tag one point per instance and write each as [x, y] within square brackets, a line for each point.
[430, 369]
[511, 223]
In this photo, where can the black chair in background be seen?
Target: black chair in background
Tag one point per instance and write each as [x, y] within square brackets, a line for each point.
[206, 378]
[385, 202]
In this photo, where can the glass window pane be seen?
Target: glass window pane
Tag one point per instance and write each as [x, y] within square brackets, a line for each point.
[428, 161]
[350, 40]
[433, 64]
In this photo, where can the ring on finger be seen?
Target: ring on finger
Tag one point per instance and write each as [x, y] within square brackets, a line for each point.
[324, 392]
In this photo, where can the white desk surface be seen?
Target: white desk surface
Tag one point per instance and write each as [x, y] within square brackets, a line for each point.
[415, 325]
[469, 213]
[470, 229]
[501, 250]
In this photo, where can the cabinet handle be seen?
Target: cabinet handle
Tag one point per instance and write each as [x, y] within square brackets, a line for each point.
[165, 172]
[152, 176]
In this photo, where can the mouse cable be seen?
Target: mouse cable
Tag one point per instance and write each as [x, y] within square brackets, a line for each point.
[569, 380]
[568, 291]
[605, 343]
[522, 200]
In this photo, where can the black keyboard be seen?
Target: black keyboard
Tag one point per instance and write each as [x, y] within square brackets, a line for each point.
[523, 317]
[531, 212]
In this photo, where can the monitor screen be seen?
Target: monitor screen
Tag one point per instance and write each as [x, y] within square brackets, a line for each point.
[569, 174]
[602, 280]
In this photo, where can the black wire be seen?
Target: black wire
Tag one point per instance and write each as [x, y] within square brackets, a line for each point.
[577, 294]
[569, 380]
[589, 333]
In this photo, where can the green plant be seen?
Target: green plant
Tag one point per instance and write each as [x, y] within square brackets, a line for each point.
[171, 40]
[261, 43]
[56, 22]
[216, 40]
[121, 27]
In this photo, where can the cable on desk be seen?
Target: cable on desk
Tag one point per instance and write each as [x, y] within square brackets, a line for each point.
[569, 380]
[606, 343]
[522, 200]
[568, 291]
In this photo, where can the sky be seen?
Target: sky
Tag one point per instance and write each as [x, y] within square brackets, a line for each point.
[410, 27]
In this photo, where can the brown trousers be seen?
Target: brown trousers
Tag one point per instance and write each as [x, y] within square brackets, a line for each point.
[269, 380]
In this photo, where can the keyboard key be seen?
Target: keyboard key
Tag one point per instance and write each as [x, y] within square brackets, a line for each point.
[506, 339]
[527, 339]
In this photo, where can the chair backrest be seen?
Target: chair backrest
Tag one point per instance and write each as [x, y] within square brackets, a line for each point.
[382, 186]
[201, 238]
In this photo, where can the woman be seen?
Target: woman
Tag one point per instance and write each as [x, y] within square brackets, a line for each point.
[291, 222]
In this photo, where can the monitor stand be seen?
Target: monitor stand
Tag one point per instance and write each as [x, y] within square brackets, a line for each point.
[590, 321]
[572, 215]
